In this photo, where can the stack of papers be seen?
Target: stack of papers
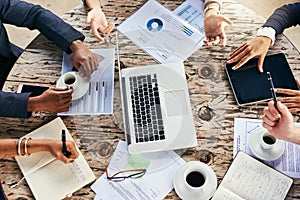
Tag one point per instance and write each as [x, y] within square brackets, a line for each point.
[154, 185]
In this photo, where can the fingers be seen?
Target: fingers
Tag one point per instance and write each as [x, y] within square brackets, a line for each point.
[287, 91]
[107, 29]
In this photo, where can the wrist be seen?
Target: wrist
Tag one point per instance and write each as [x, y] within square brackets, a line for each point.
[75, 45]
[267, 32]
[33, 104]
[211, 8]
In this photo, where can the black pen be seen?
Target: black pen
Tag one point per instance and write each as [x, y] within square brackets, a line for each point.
[64, 146]
[272, 90]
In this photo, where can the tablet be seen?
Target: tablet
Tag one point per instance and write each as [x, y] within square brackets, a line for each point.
[34, 89]
[251, 86]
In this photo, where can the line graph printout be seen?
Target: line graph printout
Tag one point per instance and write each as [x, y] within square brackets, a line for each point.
[288, 163]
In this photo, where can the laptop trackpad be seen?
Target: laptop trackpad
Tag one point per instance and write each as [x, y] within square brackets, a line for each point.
[176, 103]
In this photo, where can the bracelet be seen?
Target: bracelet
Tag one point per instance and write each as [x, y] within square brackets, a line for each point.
[211, 7]
[26, 146]
[19, 147]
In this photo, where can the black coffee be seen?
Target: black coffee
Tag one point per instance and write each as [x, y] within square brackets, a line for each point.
[269, 140]
[195, 179]
[70, 81]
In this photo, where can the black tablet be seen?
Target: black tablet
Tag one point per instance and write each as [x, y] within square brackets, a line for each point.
[250, 86]
[34, 89]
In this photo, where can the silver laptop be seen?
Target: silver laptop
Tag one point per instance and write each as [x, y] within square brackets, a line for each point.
[156, 107]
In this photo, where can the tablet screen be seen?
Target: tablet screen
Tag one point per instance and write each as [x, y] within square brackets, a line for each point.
[250, 86]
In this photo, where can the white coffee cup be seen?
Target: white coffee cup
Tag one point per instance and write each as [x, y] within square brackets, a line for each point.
[195, 180]
[265, 146]
[70, 80]
[267, 141]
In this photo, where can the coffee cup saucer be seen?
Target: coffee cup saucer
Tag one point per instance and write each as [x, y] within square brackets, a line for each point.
[265, 154]
[206, 191]
[83, 86]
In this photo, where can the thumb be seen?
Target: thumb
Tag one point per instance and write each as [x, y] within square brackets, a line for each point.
[226, 20]
[282, 108]
[89, 17]
[298, 82]
[260, 63]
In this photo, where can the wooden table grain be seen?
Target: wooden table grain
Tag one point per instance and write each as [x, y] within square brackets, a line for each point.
[213, 103]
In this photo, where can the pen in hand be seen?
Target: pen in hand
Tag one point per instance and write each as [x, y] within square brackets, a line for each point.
[272, 89]
[64, 146]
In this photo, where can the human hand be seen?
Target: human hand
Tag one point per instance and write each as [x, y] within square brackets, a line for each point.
[292, 101]
[98, 22]
[214, 29]
[257, 46]
[52, 100]
[279, 122]
[55, 148]
[85, 61]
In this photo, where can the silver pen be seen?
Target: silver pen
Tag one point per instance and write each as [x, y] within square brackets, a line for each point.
[103, 90]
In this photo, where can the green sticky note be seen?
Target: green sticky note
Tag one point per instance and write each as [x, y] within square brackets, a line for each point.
[136, 161]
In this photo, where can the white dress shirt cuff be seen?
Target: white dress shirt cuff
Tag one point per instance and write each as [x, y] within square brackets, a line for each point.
[267, 32]
[215, 1]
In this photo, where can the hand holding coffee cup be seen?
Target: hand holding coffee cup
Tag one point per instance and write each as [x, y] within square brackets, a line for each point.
[195, 180]
[265, 146]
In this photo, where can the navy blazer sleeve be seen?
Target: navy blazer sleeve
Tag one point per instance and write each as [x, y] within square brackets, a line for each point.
[14, 104]
[284, 17]
[23, 14]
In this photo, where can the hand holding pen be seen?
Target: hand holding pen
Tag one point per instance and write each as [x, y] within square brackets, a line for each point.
[272, 89]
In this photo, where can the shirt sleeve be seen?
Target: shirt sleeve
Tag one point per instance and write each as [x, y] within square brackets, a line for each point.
[23, 14]
[14, 104]
[284, 17]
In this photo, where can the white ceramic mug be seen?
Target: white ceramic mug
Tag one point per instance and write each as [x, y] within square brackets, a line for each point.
[195, 180]
[70, 80]
[267, 141]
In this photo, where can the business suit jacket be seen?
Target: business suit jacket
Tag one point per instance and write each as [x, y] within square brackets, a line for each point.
[23, 14]
[284, 17]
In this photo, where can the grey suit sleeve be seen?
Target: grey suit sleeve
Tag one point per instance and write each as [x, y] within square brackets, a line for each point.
[14, 104]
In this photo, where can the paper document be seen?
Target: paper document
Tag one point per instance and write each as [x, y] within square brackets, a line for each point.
[99, 97]
[192, 12]
[49, 178]
[248, 178]
[154, 185]
[161, 33]
[288, 163]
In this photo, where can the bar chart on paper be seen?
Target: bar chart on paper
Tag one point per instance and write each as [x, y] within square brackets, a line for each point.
[99, 97]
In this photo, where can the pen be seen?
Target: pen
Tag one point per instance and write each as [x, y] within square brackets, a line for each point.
[102, 96]
[64, 146]
[272, 89]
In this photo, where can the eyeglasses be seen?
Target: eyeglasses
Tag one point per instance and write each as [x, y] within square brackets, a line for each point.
[122, 175]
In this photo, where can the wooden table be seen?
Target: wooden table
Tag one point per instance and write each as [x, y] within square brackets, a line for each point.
[213, 104]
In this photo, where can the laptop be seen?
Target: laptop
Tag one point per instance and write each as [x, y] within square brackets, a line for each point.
[156, 107]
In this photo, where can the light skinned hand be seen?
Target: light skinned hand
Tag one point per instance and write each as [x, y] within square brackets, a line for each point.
[85, 61]
[214, 25]
[293, 101]
[55, 148]
[257, 46]
[279, 124]
[52, 100]
[98, 22]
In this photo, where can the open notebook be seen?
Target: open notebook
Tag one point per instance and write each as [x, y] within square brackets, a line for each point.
[49, 178]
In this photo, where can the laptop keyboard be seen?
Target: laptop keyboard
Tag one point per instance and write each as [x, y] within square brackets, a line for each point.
[148, 123]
